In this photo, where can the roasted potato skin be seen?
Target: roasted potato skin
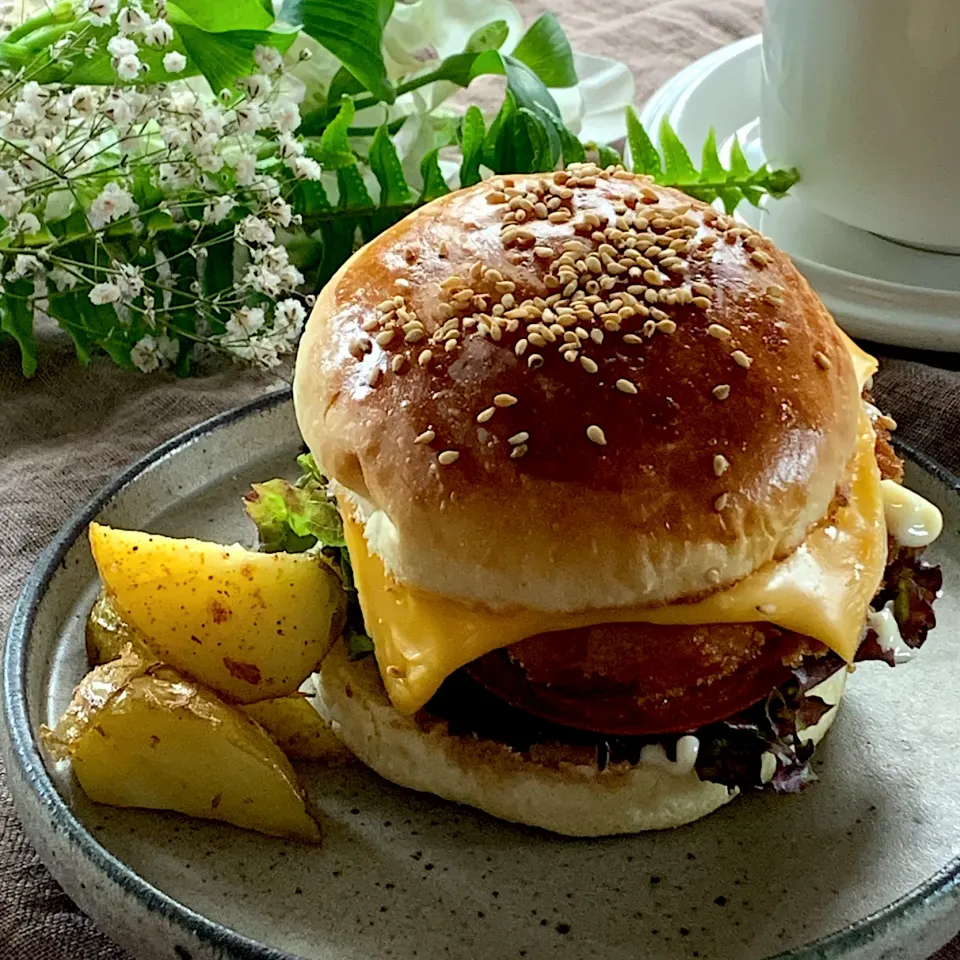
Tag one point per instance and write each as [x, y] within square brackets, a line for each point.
[107, 634]
[138, 734]
[299, 731]
[252, 626]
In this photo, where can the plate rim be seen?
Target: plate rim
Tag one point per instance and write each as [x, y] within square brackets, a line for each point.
[23, 750]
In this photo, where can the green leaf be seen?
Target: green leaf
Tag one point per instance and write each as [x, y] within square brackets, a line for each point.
[353, 191]
[293, 518]
[530, 92]
[489, 37]
[218, 269]
[606, 155]
[359, 645]
[731, 197]
[311, 198]
[225, 17]
[224, 57]
[471, 144]
[678, 167]
[571, 147]
[16, 319]
[711, 168]
[544, 48]
[496, 141]
[353, 32]
[338, 241]
[334, 150]
[644, 156]
[63, 308]
[388, 170]
[343, 84]
[738, 162]
[434, 184]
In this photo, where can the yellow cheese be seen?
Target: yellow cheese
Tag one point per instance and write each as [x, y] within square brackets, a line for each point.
[822, 590]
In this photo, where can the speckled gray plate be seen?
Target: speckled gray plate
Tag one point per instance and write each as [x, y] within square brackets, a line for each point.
[863, 865]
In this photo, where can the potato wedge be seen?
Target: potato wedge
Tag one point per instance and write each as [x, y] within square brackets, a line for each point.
[108, 634]
[251, 626]
[140, 735]
[300, 732]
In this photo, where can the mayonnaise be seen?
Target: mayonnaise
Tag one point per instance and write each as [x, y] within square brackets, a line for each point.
[883, 623]
[911, 520]
[687, 749]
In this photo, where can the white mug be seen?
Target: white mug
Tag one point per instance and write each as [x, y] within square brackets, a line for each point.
[863, 97]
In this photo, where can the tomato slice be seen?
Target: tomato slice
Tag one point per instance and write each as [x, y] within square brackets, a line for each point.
[638, 679]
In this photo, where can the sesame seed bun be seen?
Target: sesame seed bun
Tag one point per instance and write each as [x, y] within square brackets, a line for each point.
[575, 799]
[700, 426]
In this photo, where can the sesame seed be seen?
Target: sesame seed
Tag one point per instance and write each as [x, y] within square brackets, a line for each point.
[742, 359]
[718, 331]
[666, 326]
[823, 361]
[428, 436]
[589, 365]
[373, 377]
[414, 336]
[774, 291]
[570, 355]
[760, 258]
[504, 400]
[448, 457]
[518, 438]
[631, 338]
[702, 289]
[596, 435]
[767, 608]
[398, 363]
[545, 253]
[385, 337]
[559, 216]
[720, 465]
[520, 348]
[496, 197]
[596, 335]
[534, 361]
[713, 575]
[425, 357]
[721, 502]
[654, 277]
[625, 386]
[518, 451]
[721, 391]
[702, 302]
[387, 305]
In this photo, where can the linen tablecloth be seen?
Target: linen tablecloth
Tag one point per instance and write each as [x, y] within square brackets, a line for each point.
[65, 433]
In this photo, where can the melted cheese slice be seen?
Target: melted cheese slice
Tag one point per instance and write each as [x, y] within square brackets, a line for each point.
[823, 590]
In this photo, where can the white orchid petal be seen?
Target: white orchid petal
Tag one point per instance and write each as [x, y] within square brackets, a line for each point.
[606, 88]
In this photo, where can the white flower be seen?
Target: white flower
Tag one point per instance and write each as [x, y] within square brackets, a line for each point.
[174, 136]
[245, 322]
[257, 86]
[129, 67]
[35, 96]
[245, 169]
[266, 187]
[145, 354]
[268, 58]
[288, 146]
[305, 169]
[27, 223]
[101, 11]
[280, 212]
[158, 34]
[129, 280]
[168, 348]
[132, 19]
[287, 117]
[112, 203]
[121, 47]
[174, 62]
[210, 162]
[83, 101]
[249, 118]
[24, 264]
[63, 279]
[254, 230]
[219, 209]
[118, 110]
[289, 316]
[104, 293]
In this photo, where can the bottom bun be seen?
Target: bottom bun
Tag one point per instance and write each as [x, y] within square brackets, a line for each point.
[567, 798]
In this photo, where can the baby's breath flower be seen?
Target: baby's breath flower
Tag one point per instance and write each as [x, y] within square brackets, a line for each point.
[129, 67]
[132, 19]
[174, 62]
[101, 11]
[289, 315]
[150, 353]
[245, 169]
[102, 293]
[121, 47]
[63, 279]
[83, 101]
[219, 209]
[129, 280]
[288, 147]
[268, 59]
[245, 322]
[112, 203]
[257, 86]
[158, 34]
[249, 118]
[305, 169]
[24, 264]
[254, 230]
[286, 117]
[280, 212]
[27, 223]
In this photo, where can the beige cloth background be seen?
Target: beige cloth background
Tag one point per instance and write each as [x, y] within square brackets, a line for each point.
[65, 433]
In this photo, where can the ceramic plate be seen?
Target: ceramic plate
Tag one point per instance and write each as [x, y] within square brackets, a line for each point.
[863, 865]
[876, 289]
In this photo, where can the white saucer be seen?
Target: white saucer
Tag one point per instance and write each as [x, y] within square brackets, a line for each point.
[876, 289]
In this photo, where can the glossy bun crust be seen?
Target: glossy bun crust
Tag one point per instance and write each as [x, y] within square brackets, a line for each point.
[702, 423]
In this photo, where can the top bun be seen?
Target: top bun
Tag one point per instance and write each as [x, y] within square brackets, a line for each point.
[703, 424]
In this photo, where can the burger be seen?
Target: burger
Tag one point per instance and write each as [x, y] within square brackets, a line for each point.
[620, 514]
